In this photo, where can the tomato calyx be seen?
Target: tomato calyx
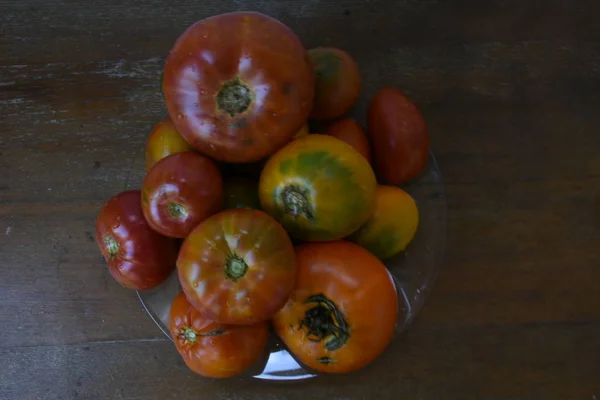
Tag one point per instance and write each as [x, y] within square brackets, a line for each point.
[190, 335]
[325, 323]
[234, 97]
[111, 246]
[235, 268]
[177, 211]
[295, 202]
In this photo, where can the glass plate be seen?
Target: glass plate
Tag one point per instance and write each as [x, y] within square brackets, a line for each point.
[414, 272]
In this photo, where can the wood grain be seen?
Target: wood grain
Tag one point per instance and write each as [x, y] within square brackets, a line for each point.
[510, 93]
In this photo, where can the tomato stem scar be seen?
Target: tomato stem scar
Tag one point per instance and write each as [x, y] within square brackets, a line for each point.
[295, 201]
[235, 268]
[189, 334]
[325, 323]
[111, 245]
[234, 97]
[177, 211]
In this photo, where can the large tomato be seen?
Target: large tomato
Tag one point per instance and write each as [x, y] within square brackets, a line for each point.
[212, 349]
[351, 132]
[238, 266]
[318, 187]
[137, 256]
[238, 85]
[343, 311]
[399, 136]
[164, 140]
[337, 84]
[181, 191]
[393, 224]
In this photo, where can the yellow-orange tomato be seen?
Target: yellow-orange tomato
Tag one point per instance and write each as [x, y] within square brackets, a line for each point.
[343, 311]
[318, 187]
[392, 225]
[164, 140]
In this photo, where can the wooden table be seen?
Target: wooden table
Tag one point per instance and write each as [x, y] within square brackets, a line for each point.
[511, 94]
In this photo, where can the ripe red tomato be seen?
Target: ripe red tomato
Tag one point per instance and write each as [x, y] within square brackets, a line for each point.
[137, 256]
[337, 84]
[399, 136]
[343, 310]
[351, 132]
[237, 267]
[181, 191]
[212, 349]
[163, 141]
[238, 85]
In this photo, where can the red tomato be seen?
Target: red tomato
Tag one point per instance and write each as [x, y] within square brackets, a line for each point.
[337, 84]
[343, 311]
[181, 191]
[163, 141]
[238, 266]
[212, 349]
[137, 256]
[399, 136]
[238, 85]
[351, 132]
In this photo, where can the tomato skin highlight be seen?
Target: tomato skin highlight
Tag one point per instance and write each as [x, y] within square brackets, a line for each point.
[163, 141]
[393, 224]
[318, 187]
[343, 311]
[350, 131]
[399, 136]
[238, 85]
[237, 267]
[137, 256]
[211, 349]
[180, 191]
[337, 83]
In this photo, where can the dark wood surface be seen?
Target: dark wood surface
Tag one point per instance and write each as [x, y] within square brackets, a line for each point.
[511, 92]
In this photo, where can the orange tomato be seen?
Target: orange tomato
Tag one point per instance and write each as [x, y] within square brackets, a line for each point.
[342, 314]
[351, 132]
[212, 349]
[337, 84]
[392, 225]
[164, 140]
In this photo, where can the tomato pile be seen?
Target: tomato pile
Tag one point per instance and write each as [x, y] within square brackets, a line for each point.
[267, 222]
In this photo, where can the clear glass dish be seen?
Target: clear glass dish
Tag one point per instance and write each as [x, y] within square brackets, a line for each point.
[414, 272]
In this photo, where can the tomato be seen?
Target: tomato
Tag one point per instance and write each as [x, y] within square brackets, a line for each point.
[181, 191]
[137, 256]
[342, 314]
[351, 132]
[163, 141]
[237, 267]
[238, 85]
[212, 349]
[399, 136]
[318, 187]
[392, 225]
[337, 84]
[241, 193]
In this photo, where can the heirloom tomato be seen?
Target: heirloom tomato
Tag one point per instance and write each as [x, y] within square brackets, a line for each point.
[238, 85]
[337, 83]
[163, 141]
[351, 132]
[318, 187]
[237, 267]
[212, 349]
[343, 310]
[180, 191]
[137, 256]
[393, 224]
[241, 193]
[399, 136]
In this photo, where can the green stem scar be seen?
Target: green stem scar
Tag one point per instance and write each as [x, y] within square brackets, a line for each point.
[190, 335]
[234, 97]
[177, 211]
[111, 246]
[325, 323]
[235, 268]
[295, 202]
